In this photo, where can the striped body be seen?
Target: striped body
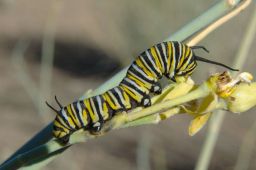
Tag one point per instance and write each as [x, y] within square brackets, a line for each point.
[169, 59]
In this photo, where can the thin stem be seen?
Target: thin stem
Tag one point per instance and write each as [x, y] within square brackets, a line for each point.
[48, 55]
[246, 149]
[180, 36]
[22, 74]
[210, 141]
[200, 92]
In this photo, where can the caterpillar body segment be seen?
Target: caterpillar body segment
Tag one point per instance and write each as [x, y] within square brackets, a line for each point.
[168, 59]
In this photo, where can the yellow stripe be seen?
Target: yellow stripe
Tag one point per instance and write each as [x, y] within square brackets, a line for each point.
[188, 50]
[135, 97]
[76, 115]
[169, 49]
[154, 54]
[84, 116]
[72, 115]
[62, 134]
[112, 96]
[185, 64]
[190, 65]
[182, 57]
[60, 126]
[172, 66]
[92, 115]
[139, 82]
[109, 101]
[105, 111]
[57, 134]
[127, 101]
[190, 72]
[139, 63]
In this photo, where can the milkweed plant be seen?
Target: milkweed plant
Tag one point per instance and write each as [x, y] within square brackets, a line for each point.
[220, 91]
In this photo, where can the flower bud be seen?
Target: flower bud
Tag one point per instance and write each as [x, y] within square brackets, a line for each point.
[242, 98]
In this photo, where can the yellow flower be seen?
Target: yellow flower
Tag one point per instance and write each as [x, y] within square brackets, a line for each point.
[243, 98]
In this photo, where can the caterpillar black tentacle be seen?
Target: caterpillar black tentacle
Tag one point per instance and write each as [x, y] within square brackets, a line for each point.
[200, 47]
[170, 59]
[214, 62]
[57, 101]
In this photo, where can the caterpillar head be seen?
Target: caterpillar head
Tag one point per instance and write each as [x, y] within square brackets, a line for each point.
[187, 64]
[61, 130]
[190, 62]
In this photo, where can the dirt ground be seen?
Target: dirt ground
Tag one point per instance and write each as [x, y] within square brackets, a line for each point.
[93, 40]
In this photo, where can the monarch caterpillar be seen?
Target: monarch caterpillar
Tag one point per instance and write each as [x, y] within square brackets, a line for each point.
[170, 59]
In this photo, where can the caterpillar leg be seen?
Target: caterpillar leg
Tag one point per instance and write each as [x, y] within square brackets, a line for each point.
[96, 127]
[146, 101]
[156, 88]
[64, 140]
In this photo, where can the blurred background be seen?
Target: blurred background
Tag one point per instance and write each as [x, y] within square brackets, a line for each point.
[88, 42]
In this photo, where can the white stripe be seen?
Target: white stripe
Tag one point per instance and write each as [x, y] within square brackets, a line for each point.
[75, 114]
[160, 58]
[165, 56]
[148, 67]
[172, 67]
[150, 59]
[100, 105]
[80, 112]
[141, 72]
[124, 102]
[164, 50]
[94, 109]
[134, 91]
[188, 60]
[180, 50]
[120, 95]
[136, 85]
[114, 98]
[64, 113]
[144, 81]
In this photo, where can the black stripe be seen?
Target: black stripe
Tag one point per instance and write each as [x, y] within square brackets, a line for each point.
[177, 47]
[145, 57]
[140, 75]
[171, 56]
[97, 107]
[118, 97]
[63, 118]
[86, 111]
[66, 126]
[186, 59]
[132, 86]
[190, 61]
[163, 57]
[107, 93]
[76, 126]
[77, 113]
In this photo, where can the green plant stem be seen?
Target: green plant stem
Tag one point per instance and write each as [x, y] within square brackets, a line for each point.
[182, 36]
[200, 92]
[152, 119]
[201, 22]
[48, 45]
[22, 74]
